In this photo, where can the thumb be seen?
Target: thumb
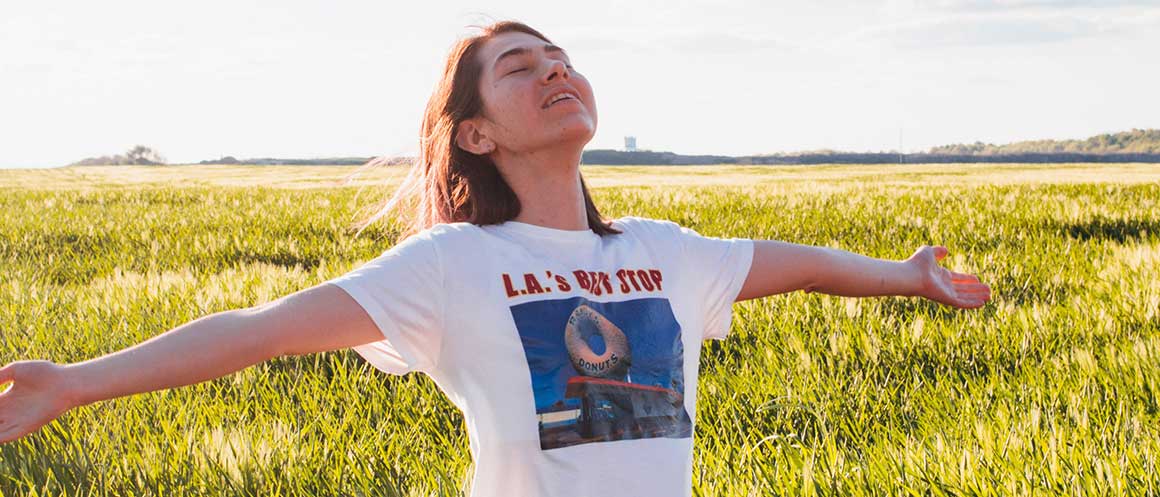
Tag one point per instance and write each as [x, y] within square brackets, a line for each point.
[7, 373]
[939, 252]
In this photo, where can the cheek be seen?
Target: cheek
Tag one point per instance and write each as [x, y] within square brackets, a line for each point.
[586, 90]
[590, 102]
[505, 106]
[514, 102]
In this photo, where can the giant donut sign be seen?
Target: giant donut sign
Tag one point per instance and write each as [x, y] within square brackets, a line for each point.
[582, 324]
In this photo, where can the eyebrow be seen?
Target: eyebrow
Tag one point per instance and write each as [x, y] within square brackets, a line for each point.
[549, 48]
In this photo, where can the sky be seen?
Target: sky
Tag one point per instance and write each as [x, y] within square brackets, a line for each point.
[306, 79]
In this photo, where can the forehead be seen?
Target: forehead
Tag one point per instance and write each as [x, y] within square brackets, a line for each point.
[499, 44]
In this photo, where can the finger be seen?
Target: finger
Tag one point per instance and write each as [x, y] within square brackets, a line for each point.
[971, 284]
[963, 277]
[9, 434]
[980, 296]
[972, 303]
[972, 288]
[939, 252]
[984, 293]
[6, 373]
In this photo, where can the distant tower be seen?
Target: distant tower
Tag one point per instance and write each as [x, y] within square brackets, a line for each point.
[630, 144]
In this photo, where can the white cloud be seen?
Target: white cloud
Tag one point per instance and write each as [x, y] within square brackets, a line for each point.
[1001, 28]
[1009, 5]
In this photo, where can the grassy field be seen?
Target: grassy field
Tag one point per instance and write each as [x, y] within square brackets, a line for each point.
[1052, 388]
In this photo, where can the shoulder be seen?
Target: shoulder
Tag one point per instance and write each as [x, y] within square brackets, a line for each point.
[643, 226]
[442, 234]
[431, 243]
[637, 222]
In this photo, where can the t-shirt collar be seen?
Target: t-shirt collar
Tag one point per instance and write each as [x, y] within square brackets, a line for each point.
[546, 232]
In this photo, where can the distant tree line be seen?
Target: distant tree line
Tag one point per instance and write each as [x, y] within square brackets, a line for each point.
[266, 161]
[1136, 141]
[927, 158]
[614, 157]
[1137, 145]
[139, 155]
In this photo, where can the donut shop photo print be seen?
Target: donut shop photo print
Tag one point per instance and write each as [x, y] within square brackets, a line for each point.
[604, 371]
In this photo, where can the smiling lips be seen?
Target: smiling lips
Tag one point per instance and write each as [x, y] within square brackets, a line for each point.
[561, 95]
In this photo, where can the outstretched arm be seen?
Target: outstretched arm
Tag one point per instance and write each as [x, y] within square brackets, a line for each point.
[317, 319]
[781, 267]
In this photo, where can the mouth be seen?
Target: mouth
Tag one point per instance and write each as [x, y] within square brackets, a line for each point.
[563, 96]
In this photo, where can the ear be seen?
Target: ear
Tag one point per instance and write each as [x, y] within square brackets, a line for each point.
[470, 138]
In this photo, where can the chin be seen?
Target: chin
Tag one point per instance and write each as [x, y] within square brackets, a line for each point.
[576, 130]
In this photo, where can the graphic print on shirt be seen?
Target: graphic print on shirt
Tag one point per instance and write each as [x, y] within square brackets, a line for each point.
[604, 371]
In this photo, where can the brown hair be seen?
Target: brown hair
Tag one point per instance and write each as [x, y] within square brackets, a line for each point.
[450, 184]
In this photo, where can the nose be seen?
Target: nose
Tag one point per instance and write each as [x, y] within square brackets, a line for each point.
[556, 69]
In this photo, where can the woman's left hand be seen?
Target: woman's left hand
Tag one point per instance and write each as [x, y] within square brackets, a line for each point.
[943, 285]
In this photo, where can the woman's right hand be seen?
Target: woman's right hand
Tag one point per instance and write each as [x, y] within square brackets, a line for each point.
[39, 393]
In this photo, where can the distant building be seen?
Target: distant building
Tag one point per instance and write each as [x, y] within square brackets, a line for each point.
[630, 144]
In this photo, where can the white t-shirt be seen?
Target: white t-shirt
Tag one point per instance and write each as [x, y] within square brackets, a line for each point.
[572, 356]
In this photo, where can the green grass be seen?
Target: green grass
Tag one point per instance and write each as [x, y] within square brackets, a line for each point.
[1052, 388]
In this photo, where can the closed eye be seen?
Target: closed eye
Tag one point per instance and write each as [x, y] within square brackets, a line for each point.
[569, 66]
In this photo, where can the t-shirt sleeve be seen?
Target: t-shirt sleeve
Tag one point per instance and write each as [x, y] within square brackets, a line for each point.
[717, 268]
[402, 291]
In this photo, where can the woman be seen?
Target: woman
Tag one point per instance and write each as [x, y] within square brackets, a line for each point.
[569, 342]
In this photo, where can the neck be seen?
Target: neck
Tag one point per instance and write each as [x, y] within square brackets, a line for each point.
[547, 182]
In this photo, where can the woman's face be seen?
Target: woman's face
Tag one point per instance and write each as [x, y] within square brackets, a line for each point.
[520, 83]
